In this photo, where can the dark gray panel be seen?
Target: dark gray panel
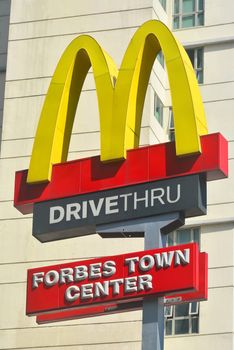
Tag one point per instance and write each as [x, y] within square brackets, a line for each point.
[79, 215]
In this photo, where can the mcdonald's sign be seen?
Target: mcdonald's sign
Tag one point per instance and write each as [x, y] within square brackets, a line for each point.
[121, 94]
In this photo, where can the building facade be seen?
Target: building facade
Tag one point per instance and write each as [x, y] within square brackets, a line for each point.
[39, 31]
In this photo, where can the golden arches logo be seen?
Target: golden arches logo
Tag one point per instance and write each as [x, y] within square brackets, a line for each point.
[121, 103]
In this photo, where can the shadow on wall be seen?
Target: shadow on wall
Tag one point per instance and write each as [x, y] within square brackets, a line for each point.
[5, 6]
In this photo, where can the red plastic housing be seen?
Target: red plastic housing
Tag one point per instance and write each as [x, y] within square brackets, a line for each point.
[165, 279]
[142, 165]
[200, 295]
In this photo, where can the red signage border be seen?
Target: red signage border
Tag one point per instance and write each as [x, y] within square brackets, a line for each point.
[144, 164]
[113, 279]
[98, 310]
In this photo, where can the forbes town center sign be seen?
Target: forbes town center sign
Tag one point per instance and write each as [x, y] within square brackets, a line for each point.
[114, 278]
[127, 189]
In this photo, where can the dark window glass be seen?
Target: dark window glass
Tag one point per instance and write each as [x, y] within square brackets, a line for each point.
[196, 235]
[188, 21]
[168, 327]
[183, 236]
[191, 55]
[176, 22]
[160, 58]
[194, 308]
[182, 326]
[176, 6]
[194, 325]
[188, 6]
[200, 19]
[200, 5]
[158, 109]
[182, 310]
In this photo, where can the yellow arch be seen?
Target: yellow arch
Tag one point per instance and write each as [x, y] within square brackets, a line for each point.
[55, 125]
[130, 90]
[120, 107]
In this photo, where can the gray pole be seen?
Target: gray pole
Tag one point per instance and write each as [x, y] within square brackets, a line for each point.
[153, 307]
[151, 228]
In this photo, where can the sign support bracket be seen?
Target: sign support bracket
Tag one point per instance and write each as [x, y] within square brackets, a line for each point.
[154, 231]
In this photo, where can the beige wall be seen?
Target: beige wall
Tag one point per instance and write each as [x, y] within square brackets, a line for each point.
[4, 28]
[39, 32]
[216, 315]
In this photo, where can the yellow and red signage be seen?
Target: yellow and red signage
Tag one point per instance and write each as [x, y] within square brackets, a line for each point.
[121, 95]
[79, 289]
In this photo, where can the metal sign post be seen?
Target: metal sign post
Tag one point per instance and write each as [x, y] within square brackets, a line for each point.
[153, 307]
[154, 231]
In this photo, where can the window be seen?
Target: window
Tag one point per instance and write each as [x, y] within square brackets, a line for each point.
[171, 127]
[196, 57]
[158, 109]
[184, 236]
[168, 311]
[182, 318]
[188, 13]
[163, 3]
[160, 58]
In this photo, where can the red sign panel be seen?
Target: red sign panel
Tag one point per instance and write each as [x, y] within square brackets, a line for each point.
[104, 280]
[142, 165]
[201, 293]
[136, 304]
